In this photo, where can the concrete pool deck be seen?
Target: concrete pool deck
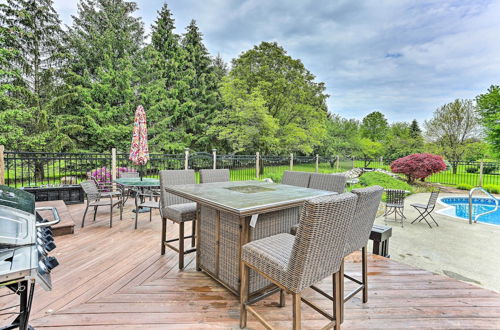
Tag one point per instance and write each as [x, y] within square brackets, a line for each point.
[469, 253]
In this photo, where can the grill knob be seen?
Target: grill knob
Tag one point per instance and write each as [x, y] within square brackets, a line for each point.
[49, 246]
[50, 263]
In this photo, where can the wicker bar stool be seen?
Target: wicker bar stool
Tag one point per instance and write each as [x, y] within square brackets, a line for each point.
[294, 263]
[96, 199]
[177, 209]
[328, 182]
[395, 204]
[218, 175]
[294, 178]
[358, 235]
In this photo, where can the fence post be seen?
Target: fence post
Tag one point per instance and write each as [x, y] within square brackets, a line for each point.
[214, 154]
[113, 167]
[481, 173]
[353, 160]
[338, 162]
[291, 161]
[186, 158]
[317, 163]
[2, 165]
[257, 164]
[381, 162]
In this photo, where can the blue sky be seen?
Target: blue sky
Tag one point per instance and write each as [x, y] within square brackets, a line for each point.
[403, 58]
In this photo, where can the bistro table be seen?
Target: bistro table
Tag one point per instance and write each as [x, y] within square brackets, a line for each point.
[136, 184]
[230, 214]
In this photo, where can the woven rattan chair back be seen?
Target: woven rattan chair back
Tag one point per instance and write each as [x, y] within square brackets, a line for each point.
[433, 199]
[319, 245]
[218, 175]
[328, 182]
[364, 216]
[395, 196]
[129, 174]
[299, 179]
[174, 177]
[90, 189]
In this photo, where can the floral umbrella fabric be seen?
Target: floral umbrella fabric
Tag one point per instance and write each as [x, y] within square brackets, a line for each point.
[139, 151]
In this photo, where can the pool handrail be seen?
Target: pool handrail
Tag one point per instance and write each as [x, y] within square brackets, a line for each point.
[470, 204]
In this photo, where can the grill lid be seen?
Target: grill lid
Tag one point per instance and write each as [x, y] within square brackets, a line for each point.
[17, 199]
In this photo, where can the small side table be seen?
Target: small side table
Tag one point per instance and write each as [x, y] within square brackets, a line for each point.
[380, 236]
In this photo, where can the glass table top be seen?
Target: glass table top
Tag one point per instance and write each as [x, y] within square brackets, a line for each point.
[245, 197]
[137, 182]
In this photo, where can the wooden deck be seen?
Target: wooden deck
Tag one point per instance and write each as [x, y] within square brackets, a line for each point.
[115, 278]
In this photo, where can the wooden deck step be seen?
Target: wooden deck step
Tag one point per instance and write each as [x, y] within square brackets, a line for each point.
[67, 225]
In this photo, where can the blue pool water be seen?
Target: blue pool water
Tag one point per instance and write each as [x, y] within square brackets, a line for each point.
[460, 208]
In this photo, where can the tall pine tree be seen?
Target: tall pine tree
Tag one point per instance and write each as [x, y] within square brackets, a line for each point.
[30, 39]
[104, 43]
[202, 96]
[162, 84]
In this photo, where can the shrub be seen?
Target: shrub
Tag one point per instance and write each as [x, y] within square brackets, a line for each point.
[384, 180]
[418, 166]
[472, 169]
[492, 188]
[464, 186]
[489, 168]
[103, 174]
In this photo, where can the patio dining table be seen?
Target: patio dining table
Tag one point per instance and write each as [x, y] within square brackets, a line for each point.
[230, 214]
[137, 184]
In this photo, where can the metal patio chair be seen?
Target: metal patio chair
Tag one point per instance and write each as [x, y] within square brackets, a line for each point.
[177, 209]
[295, 263]
[426, 210]
[96, 199]
[328, 182]
[395, 204]
[217, 175]
[149, 198]
[294, 178]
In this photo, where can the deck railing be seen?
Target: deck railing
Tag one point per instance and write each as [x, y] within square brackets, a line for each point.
[23, 169]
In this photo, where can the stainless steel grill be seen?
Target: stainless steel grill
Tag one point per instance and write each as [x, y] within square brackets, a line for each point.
[26, 240]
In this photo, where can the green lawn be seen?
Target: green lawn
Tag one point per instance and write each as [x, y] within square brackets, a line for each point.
[53, 175]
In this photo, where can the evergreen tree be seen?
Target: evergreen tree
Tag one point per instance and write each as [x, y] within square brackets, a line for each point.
[31, 54]
[104, 44]
[162, 86]
[201, 97]
[220, 67]
[415, 131]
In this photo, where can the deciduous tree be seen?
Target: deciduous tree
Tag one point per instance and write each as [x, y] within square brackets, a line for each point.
[452, 127]
[488, 106]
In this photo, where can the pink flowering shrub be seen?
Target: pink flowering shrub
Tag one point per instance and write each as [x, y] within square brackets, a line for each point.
[418, 166]
[103, 174]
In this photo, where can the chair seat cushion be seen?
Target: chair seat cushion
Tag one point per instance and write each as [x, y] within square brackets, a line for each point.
[422, 206]
[181, 212]
[270, 255]
[151, 204]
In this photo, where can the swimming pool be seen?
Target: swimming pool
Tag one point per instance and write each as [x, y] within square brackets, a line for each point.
[459, 208]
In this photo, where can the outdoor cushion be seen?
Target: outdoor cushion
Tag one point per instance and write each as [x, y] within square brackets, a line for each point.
[270, 255]
[181, 212]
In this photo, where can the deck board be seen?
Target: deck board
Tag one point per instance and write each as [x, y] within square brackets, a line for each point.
[112, 278]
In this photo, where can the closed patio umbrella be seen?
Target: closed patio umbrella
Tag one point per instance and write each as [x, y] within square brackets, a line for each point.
[139, 151]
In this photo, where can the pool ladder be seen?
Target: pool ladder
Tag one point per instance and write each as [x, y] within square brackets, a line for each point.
[470, 204]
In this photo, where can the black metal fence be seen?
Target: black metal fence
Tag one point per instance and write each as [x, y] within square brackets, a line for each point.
[29, 169]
